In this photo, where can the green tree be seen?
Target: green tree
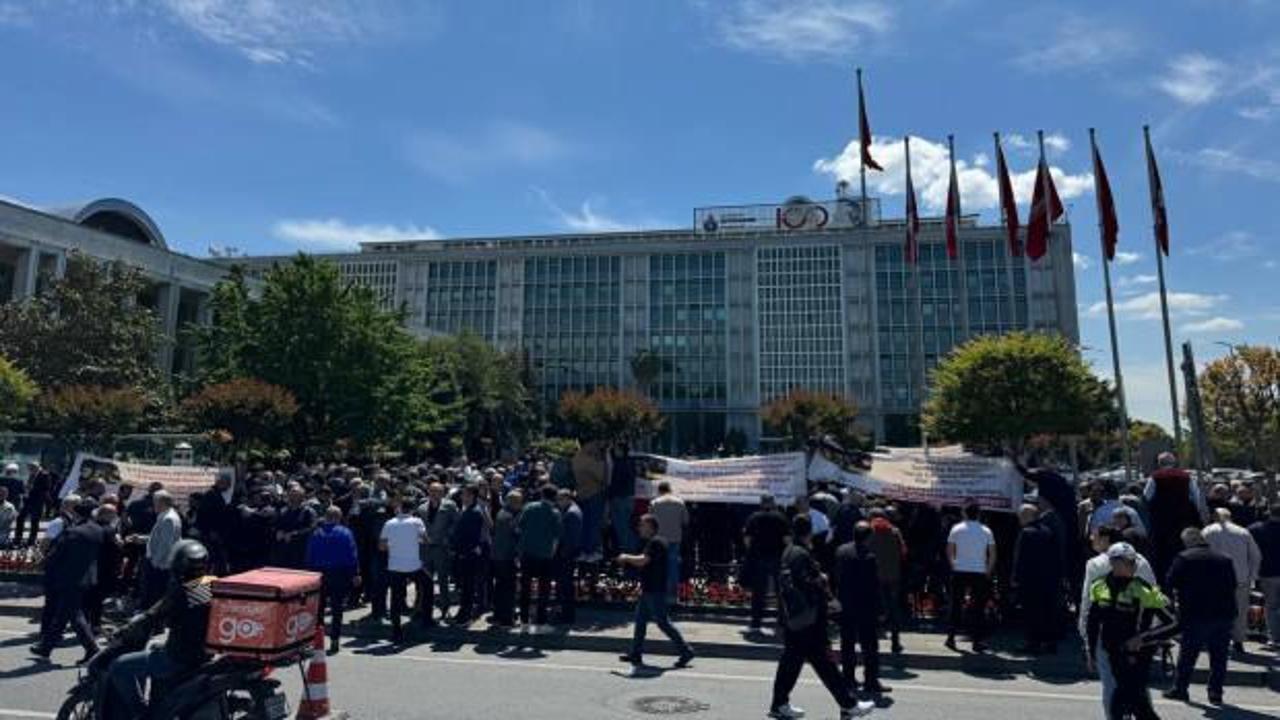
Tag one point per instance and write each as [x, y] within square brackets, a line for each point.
[253, 412]
[610, 415]
[88, 328]
[646, 367]
[494, 404]
[1241, 398]
[804, 415]
[16, 393]
[90, 417]
[222, 345]
[1000, 391]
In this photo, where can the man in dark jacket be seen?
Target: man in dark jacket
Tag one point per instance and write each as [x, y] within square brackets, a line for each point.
[1204, 583]
[331, 551]
[1175, 504]
[539, 528]
[71, 571]
[1267, 535]
[1037, 580]
[765, 534]
[858, 590]
[505, 537]
[39, 487]
[216, 518]
[468, 534]
[567, 556]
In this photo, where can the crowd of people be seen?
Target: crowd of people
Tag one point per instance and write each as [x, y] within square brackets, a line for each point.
[1146, 561]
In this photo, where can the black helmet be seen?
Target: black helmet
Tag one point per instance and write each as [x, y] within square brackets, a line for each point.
[190, 560]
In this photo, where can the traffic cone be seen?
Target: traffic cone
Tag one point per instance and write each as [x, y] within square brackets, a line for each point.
[315, 687]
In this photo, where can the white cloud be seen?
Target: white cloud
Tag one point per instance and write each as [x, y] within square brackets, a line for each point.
[334, 235]
[798, 30]
[1129, 281]
[280, 31]
[1229, 161]
[1212, 325]
[587, 219]
[1147, 306]
[930, 171]
[1230, 246]
[1194, 78]
[1070, 42]
[1082, 262]
[1127, 258]
[1054, 143]
[455, 157]
[15, 15]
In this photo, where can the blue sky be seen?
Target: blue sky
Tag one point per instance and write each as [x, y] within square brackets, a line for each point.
[276, 125]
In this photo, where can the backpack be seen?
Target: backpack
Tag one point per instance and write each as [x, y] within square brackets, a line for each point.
[799, 611]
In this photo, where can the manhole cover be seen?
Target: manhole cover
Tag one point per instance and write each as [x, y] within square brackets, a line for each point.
[668, 705]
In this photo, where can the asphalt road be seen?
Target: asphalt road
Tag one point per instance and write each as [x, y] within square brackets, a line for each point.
[459, 683]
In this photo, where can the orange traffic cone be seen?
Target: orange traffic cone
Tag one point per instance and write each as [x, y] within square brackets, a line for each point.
[315, 688]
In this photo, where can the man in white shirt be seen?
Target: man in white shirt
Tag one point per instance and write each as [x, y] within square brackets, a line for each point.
[673, 518]
[971, 548]
[8, 514]
[402, 539]
[164, 535]
[1238, 544]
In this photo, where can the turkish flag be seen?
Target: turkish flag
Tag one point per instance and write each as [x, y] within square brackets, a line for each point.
[864, 131]
[1043, 214]
[912, 250]
[1159, 217]
[1008, 205]
[953, 214]
[1107, 221]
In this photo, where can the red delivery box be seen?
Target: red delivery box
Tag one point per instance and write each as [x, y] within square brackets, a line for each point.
[267, 614]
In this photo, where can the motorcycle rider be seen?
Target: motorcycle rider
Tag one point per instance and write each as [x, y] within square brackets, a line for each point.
[185, 612]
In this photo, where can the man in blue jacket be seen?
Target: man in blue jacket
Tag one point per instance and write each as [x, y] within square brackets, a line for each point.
[567, 556]
[467, 541]
[331, 551]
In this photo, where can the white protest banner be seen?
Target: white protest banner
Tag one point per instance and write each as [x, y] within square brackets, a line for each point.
[178, 481]
[943, 476]
[727, 480]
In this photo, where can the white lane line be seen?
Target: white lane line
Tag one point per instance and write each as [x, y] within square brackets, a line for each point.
[904, 687]
[9, 713]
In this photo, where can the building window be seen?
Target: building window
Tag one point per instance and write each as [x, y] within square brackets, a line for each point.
[801, 324]
[462, 295]
[687, 321]
[382, 277]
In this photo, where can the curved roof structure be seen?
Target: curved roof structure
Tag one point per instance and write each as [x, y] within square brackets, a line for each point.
[117, 217]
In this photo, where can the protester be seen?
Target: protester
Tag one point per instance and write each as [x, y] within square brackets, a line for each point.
[1236, 543]
[1098, 567]
[1267, 535]
[39, 487]
[293, 526]
[804, 594]
[164, 534]
[469, 547]
[401, 539]
[331, 551]
[8, 515]
[1203, 581]
[439, 515]
[890, 550]
[539, 528]
[652, 603]
[1037, 581]
[567, 552]
[71, 572]
[858, 589]
[971, 549]
[673, 519]
[1175, 504]
[622, 492]
[505, 539]
[12, 483]
[765, 535]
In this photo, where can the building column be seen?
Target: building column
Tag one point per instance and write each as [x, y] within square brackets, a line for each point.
[167, 297]
[26, 271]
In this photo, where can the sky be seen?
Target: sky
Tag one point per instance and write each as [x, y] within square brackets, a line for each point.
[272, 126]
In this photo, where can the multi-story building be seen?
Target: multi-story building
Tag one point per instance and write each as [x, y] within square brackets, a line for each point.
[746, 305]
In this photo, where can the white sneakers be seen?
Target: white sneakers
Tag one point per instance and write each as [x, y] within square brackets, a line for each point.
[864, 707]
[531, 629]
[787, 712]
[791, 712]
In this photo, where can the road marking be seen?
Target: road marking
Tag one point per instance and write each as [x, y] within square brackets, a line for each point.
[6, 712]
[898, 688]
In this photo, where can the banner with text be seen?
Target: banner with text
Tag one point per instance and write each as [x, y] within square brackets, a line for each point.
[178, 480]
[726, 480]
[943, 476]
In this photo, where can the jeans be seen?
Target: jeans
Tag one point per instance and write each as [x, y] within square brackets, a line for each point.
[335, 588]
[673, 571]
[592, 519]
[128, 671]
[978, 586]
[530, 568]
[653, 606]
[1271, 595]
[1211, 635]
[808, 645]
[762, 573]
[620, 511]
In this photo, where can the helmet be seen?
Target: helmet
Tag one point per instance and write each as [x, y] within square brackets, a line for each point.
[189, 560]
[1122, 551]
[11, 470]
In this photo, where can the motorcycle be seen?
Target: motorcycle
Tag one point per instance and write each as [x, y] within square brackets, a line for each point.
[225, 688]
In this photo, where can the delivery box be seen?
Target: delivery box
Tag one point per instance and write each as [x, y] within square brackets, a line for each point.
[267, 614]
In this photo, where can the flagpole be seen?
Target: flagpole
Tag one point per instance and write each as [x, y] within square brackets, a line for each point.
[1009, 266]
[919, 302]
[1111, 322]
[862, 165]
[1164, 313]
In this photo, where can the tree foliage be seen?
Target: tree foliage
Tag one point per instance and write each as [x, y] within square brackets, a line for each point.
[222, 344]
[90, 416]
[253, 412]
[804, 415]
[999, 391]
[88, 328]
[610, 415]
[646, 367]
[16, 392]
[1241, 399]
[487, 389]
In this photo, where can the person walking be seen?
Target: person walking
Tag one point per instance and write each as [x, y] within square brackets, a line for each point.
[567, 556]
[858, 589]
[652, 603]
[72, 568]
[1126, 619]
[971, 550]
[673, 520]
[765, 535]
[332, 552]
[1037, 581]
[505, 539]
[1203, 581]
[890, 550]
[439, 514]
[539, 531]
[1100, 565]
[1267, 535]
[804, 593]
[402, 538]
[1235, 542]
